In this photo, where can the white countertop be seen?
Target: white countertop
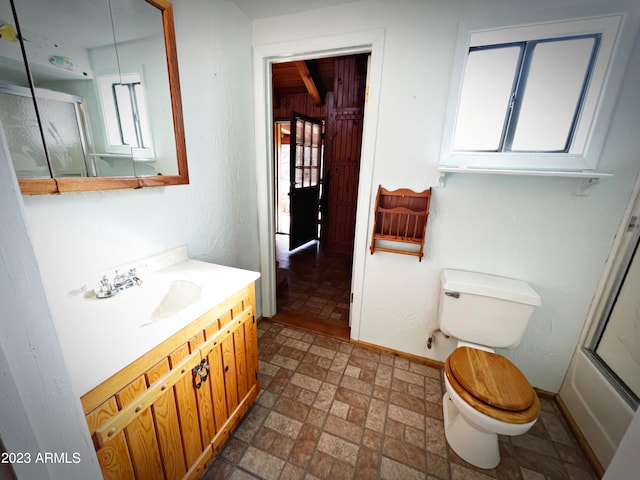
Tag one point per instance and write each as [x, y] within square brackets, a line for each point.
[99, 337]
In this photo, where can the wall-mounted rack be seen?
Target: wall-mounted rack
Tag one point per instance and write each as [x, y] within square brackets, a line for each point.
[587, 178]
[400, 221]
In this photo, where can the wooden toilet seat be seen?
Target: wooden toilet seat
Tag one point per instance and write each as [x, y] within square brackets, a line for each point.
[493, 385]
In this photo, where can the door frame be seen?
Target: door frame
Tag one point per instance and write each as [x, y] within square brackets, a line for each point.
[277, 126]
[368, 41]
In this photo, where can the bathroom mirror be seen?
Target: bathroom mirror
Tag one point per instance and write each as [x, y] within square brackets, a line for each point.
[107, 98]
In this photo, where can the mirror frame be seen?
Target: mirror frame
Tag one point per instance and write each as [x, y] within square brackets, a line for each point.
[38, 186]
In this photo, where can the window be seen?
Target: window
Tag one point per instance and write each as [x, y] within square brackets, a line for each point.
[308, 159]
[524, 96]
[125, 114]
[534, 97]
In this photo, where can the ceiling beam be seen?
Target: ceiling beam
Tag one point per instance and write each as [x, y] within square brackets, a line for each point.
[311, 79]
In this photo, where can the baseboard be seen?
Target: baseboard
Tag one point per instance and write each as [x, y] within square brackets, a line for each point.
[396, 353]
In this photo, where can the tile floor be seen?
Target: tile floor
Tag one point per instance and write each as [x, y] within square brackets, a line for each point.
[318, 283]
[331, 410]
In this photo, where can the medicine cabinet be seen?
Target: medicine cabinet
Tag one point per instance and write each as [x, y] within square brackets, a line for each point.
[90, 95]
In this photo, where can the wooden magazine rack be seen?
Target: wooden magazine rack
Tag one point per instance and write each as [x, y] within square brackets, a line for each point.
[400, 222]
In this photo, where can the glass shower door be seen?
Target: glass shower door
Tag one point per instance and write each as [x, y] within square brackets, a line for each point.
[62, 133]
[19, 123]
[616, 347]
[62, 127]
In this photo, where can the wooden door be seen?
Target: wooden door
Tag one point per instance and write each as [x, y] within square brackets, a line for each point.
[306, 168]
[344, 143]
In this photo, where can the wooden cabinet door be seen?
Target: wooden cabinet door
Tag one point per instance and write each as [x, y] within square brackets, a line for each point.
[139, 431]
[232, 355]
[186, 409]
[113, 457]
[141, 435]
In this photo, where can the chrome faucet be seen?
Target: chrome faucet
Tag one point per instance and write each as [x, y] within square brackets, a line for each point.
[120, 282]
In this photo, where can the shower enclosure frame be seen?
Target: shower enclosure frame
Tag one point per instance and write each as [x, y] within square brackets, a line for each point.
[622, 257]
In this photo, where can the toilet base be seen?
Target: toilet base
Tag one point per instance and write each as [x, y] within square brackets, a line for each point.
[477, 447]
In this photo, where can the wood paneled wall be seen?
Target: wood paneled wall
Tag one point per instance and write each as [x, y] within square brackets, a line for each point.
[344, 143]
[301, 103]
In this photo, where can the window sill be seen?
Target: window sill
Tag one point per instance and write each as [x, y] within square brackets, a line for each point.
[588, 178]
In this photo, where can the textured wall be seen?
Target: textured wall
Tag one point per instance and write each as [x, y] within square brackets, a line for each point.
[532, 228]
[40, 411]
[79, 234]
[529, 228]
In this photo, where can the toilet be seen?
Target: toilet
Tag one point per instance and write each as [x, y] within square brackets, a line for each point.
[486, 395]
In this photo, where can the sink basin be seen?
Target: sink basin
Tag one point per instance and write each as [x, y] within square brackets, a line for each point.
[180, 295]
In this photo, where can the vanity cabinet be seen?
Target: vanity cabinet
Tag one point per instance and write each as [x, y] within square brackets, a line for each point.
[167, 414]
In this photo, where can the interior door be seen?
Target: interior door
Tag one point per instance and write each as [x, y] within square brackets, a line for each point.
[306, 165]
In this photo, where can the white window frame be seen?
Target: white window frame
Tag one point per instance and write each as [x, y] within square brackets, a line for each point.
[617, 35]
[110, 116]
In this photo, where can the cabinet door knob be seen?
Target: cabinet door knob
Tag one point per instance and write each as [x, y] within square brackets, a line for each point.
[204, 370]
[201, 372]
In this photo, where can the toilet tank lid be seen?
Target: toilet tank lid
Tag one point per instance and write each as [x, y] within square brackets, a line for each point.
[489, 286]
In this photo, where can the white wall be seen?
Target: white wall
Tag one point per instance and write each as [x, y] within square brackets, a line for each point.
[77, 235]
[534, 229]
[40, 411]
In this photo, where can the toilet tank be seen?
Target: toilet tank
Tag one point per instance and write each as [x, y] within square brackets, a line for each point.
[485, 309]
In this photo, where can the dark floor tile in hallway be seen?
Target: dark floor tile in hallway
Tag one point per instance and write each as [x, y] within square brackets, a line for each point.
[313, 282]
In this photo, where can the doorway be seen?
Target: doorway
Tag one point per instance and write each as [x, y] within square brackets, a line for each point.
[266, 55]
[316, 211]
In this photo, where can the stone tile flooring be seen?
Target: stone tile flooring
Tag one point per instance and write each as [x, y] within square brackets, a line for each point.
[331, 410]
[318, 283]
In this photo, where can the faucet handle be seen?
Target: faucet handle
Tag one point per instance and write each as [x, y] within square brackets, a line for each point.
[119, 279]
[105, 285]
[133, 275]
